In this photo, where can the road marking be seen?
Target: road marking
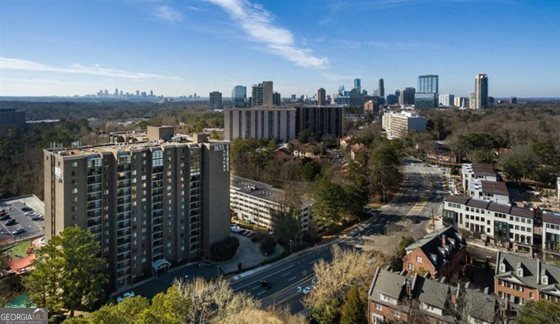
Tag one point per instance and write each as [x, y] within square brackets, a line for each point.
[286, 274]
[269, 275]
[260, 293]
[292, 278]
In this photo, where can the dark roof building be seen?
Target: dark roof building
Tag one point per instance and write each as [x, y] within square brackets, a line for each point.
[441, 254]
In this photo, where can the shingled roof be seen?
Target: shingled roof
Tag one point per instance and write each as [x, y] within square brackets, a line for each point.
[440, 246]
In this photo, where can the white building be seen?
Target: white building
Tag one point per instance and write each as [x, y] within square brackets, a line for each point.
[399, 124]
[446, 100]
[504, 224]
[470, 172]
[551, 235]
[262, 204]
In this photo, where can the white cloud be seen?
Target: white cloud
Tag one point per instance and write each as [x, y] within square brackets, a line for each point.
[168, 14]
[7, 63]
[258, 23]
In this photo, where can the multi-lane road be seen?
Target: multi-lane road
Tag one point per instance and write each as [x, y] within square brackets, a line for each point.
[421, 195]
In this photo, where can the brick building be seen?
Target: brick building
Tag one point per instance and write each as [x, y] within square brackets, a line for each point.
[441, 254]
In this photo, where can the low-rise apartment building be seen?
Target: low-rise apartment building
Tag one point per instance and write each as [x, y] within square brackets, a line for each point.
[551, 235]
[520, 279]
[264, 205]
[400, 124]
[398, 298]
[477, 172]
[506, 225]
[440, 254]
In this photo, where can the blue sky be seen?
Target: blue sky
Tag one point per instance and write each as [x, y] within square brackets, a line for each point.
[55, 47]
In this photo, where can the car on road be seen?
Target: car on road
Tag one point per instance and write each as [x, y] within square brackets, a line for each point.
[11, 222]
[235, 228]
[18, 231]
[5, 217]
[265, 284]
[307, 290]
[125, 295]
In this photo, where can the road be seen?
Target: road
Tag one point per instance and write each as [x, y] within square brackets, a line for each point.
[421, 196]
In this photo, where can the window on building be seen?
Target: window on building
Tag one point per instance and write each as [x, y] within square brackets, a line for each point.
[419, 259]
[378, 307]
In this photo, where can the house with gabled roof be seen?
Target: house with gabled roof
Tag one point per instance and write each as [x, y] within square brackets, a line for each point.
[440, 254]
[519, 279]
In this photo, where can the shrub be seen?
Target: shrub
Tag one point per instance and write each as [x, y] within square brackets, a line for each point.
[268, 244]
[225, 249]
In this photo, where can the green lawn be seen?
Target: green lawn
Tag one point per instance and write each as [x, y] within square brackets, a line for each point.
[20, 249]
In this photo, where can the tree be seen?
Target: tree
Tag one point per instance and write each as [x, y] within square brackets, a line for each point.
[329, 204]
[519, 162]
[310, 170]
[268, 245]
[225, 249]
[172, 306]
[385, 173]
[122, 313]
[334, 279]
[354, 310]
[538, 312]
[405, 241]
[357, 197]
[68, 273]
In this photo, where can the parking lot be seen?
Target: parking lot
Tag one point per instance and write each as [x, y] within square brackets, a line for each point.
[16, 209]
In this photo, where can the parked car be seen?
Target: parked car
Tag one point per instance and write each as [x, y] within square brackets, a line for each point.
[3, 212]
[307, 290]
[5, 217]
[235, 228]
[37, 217]
[265, 284]
[11, 222]
[27, 209]
[30, 213]
[125, 295]
[18, 231]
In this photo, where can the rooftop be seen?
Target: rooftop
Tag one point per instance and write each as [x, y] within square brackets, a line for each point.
[494, 187]
[533, 270]
[263, 191]
[551, 217]
[440, 246]
[136, 142]
[492, 206]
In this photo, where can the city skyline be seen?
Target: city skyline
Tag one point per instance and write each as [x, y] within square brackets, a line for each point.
[178, 48]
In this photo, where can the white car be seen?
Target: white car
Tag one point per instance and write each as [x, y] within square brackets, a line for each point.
[307, 290]
[125, 295]
[235, 228]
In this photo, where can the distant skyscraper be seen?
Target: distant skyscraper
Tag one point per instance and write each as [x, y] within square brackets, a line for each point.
[216, 100]
[321, 97]
[472, 101]
[446, 100]
[381, 88]
[481, 91]
[276, 99]
[392, 99]
[428, 84]
[358, 85]
[262, 94]
[239, 96]
[151, 93]
[407, 96]
[341, 90]
[116, 91]
[397, 93]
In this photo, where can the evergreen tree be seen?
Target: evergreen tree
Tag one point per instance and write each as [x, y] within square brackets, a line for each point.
[68, 273]
[539, 312]
[353, 311]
